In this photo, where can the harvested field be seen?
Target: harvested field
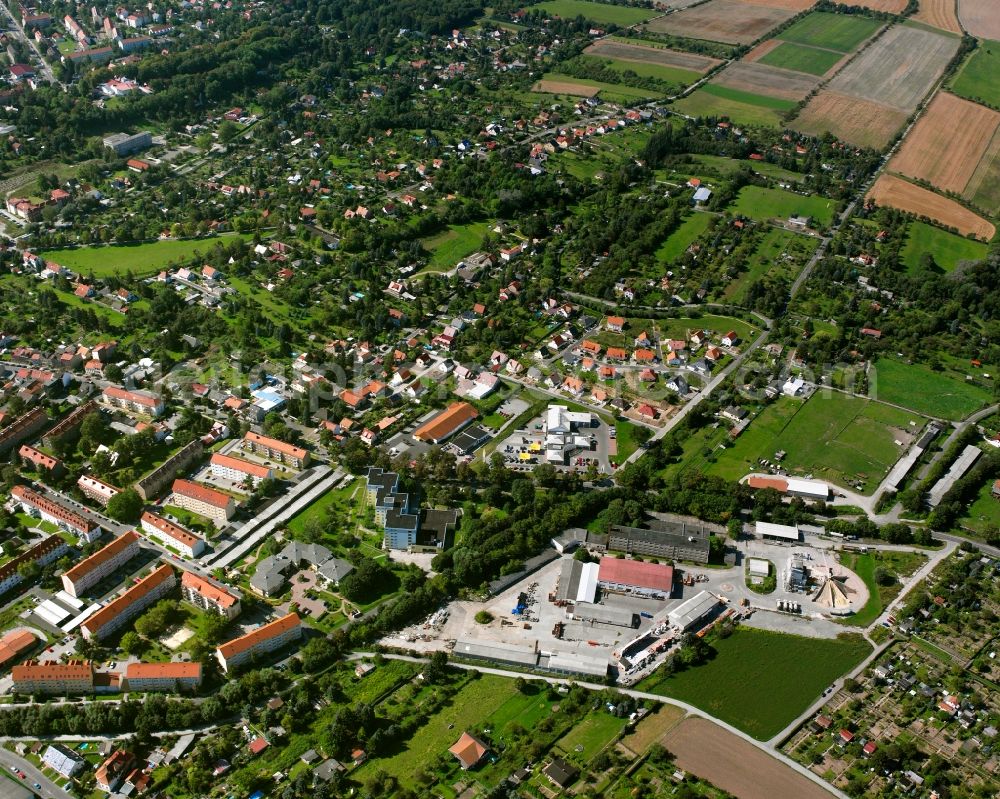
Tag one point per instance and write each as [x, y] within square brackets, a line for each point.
[895, 192]
[944, 154]
[761, 50]
[938, 14]
[769, 81]
[678, 3]
[859, 122]
[790, 5]
[980, 18]
[642, 54]
[565, 87]
[729, 21]
[897, 70]
[726, 760]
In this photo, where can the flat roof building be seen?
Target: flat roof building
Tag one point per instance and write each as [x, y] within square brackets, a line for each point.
[673, 539]
[780, 532]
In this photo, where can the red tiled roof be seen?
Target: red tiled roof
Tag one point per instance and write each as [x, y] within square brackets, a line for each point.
[278, 446]
[240, 465]
[209, 496]
[208, 590]
[171, 530]
[166, 671]
[638, 573]
[446, 422]
[102, 555]
[251, 639]
[135, 593]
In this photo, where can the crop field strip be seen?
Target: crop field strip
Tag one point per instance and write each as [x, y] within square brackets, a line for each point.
[889, 6]
[895, 192]
[947, 155]
[644, 54]
[977, 79]
[728, 21]
[770, 81]
[939, 14]
[801, 58]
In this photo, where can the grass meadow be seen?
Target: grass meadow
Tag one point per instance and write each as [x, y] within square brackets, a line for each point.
[947, 249]
[942, 394]
[140, 259]
[763, 204]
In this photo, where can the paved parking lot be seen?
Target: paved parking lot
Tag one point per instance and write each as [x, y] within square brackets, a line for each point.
[530, 441]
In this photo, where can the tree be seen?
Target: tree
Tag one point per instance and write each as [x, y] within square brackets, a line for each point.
[484, 617]
[125, 506]
[132, 643]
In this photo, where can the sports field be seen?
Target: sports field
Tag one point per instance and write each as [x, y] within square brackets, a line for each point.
[603, 13]
[978, 80]
[677, 242]
[839, 32]
[942, 394]
[750, 669]
[947, 249]
[831, 436]
[140, 259]
[763, 204]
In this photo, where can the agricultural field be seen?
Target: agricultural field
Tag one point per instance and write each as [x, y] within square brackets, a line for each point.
[980, 18]
[938, 14]
[741, 107]
[554, 83]
[942, 394]
[759, 79]
[895, 192]
[645, 54]
[865, 103]
[140, 259]
[859, 122]
[796, 57]
[454, 244]
[728, 21]
[681, 77]
[889, 6]
[764, 204]
[947, 249]
[601, 13]
[750, 669]
[977, 80]
[839, 32]
[735, 765]
[832, 436]
[677, 242]
[963, 159]
[918, 56]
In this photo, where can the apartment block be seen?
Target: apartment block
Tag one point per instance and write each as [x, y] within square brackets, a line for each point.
[162, 677]
[140, 596]
[135, 401]
[90, 571]
[208, 596]
[205, 501]
[172, 535]
[96, 489]
[52, 677]
[274, 449]
[268, 638]
[39, 506]
[238, 470]
[42, 553]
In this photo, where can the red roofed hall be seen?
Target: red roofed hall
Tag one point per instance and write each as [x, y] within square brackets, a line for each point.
[635, 576]
[445, 424]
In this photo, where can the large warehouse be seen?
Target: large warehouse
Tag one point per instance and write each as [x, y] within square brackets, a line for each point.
[692, 612]
[636, 577]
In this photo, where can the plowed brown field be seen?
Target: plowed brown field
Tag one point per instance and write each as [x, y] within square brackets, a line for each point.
[761, 50]
[895, 192]
[564, 87]
[944, 153]
[980, 17]
[938, 13]
[735, 765]
[851, 119]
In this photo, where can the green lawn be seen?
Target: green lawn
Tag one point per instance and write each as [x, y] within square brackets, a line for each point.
[801, 58]
[140, 259]
[705, 103]
[466, 711]
[977, 80]
[834, 31]
[603, 13]
[763, 204]
[590, 736]
[984, 513]
[947, 249]
[832, 436]
[678, 328]
[676, 243]
[901, 564]
[726, 166]
[943, 394]
[747, 682]
[318, 510]
[454, 244]
[649, 70]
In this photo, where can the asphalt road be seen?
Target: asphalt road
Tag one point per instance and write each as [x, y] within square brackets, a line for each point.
[49, 789]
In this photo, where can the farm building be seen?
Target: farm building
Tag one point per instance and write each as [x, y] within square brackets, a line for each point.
[692, 612]
[792, 486]
[636, 577]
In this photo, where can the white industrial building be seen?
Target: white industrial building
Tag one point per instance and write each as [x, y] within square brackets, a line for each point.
[759, 567]
[691, 612]
[563, 434]
[781, 532]
[807, 489]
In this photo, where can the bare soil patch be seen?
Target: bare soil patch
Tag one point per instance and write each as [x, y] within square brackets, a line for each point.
[642, 54]
[729, 21]
[939, 14]
[898, 69]
[980, 17]
[767, 80]
[733, 764]
[895, 192]
[944, 153]
[762, 50]
[564, 87]
[851, 119]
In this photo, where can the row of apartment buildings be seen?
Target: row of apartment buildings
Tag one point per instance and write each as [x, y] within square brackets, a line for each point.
[80, 677]
[47, 509]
